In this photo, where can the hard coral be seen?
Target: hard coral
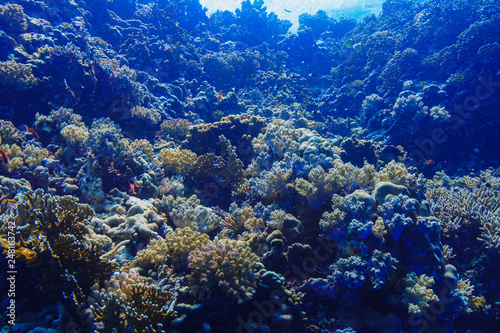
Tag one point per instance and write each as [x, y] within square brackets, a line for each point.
[147, 308]
[56, 231]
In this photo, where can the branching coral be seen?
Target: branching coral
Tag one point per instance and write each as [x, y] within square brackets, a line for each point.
[147, 308]
[149, 116]
[171, 185]
[139, 149]
[394, 172]
[54, 232]
[242, 219]
[238, 129]
[462, 208]
[8, 132]
[272, 184]
[15, 155]
[177, 127]
[345, 178]
[227, 266]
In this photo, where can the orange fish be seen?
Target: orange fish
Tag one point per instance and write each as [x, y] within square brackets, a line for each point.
[4, 156]
[30, 130]
[429, 162]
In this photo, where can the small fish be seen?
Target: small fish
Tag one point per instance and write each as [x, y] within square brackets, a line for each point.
[4, 156]
[28, 129]
[348, 43]
[429, 162]
[288, 11]
[357, 47]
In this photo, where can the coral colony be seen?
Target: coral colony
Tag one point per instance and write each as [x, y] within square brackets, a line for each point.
[162, 170]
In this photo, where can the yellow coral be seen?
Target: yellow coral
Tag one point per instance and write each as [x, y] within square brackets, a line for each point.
[378, 228]
[15, 154]
[13, 17]
[176, 160]
[395, 173]
[153, 255]
[74, 134]
[416, 295]
[33, 155]
[141, 147]
[16, 75]
[174, 249]
[121, 283]
[181, 242]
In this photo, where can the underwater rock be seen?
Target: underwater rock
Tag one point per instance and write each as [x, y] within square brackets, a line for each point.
[292, 228]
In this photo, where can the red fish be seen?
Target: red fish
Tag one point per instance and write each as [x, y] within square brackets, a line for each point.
[30, 130]
[429, 162]
[132, 187]
[4, 156]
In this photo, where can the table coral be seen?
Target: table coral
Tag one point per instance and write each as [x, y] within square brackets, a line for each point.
[227, 266]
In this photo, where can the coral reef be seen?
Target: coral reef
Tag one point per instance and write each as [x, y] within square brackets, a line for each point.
[168, 169]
